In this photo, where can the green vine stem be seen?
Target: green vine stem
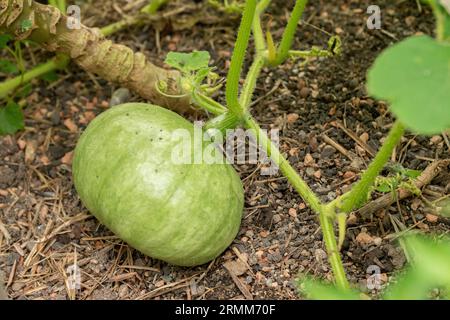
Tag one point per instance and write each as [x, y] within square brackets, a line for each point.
[440, 20]
[304, 54]
[207, 103]
[250, 81]
[289, 32]
[289, 172]
[308, 196]
[153, 6]
[260, 45]
[333, 252]
[358, 194]
[9, 86]
[60, 4]
[237, 59]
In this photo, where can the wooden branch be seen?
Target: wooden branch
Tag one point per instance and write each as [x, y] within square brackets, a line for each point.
[47, 26]
[388, 199]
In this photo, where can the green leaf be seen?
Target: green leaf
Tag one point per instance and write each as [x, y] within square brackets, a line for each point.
[24, 91]
[11, 119]
[384, 187]
[430, 268]
[410, 286]
[414, 76]
[432, 258]
[413, 174]
[188, 62]
[4, 39]
[7, 66]
[317, 290]
[50, 77]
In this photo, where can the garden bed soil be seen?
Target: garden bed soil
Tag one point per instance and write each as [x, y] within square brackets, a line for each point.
[44, 227]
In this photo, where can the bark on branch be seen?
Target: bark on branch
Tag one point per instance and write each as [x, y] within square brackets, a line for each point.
[47, 26]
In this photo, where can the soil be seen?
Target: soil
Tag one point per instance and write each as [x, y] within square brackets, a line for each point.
[44, 227]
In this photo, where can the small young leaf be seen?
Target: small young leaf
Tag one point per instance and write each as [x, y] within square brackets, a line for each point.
[413, 174]
[188, 62]
[414, 76]
[7, 66]
[11, 119]
[202, 74]
[384, 187]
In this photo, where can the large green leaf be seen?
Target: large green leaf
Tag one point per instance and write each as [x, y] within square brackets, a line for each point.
[318, 290]
[430, 269]
[414, 76]
[11, 119]
[7, 66]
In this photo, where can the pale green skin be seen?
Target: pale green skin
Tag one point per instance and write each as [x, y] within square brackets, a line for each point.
[185, 215]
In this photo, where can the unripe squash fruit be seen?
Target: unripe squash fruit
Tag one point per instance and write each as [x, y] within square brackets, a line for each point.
[184, 214]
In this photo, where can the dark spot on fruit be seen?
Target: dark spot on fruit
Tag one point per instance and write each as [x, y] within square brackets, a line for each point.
[127, 114]
[160, 139]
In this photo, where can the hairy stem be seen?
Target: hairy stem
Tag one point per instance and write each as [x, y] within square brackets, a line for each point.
[288, 171]
[250, 81]
[289, 32]
[308, 196]
[153, 6]
[334, 257]
[237, 59]
[358, 194]
[258, 36]
[208, 104]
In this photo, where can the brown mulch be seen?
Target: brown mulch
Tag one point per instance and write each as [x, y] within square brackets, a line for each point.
[329, 130]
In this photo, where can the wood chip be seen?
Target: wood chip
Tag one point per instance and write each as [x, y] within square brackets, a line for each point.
[237, 266]
[309, 160]
[293, 213]
[123, 276]
[71, 125]
[364, 238]
[432, 218]
[67, 159]
[292, 117]
[240, 284]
